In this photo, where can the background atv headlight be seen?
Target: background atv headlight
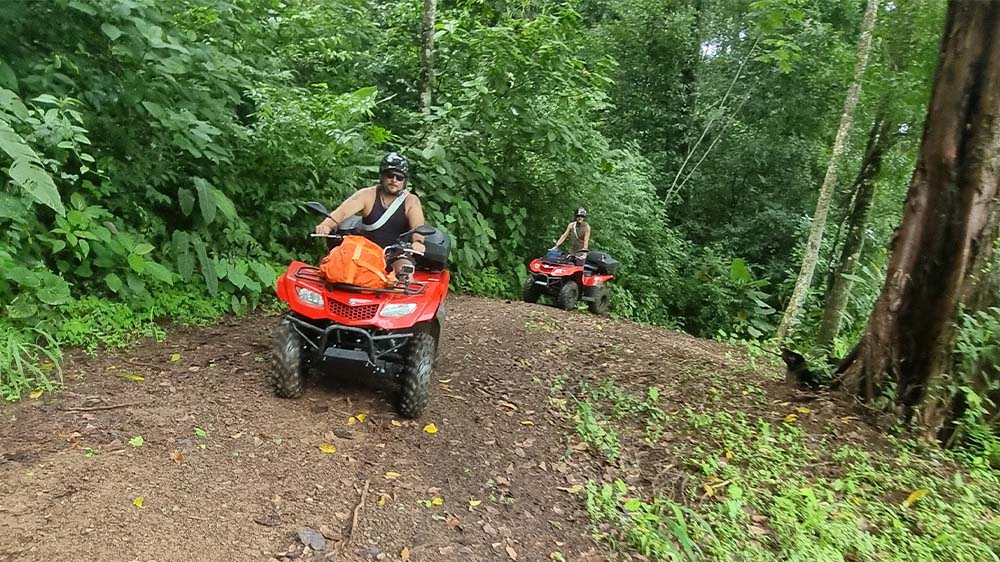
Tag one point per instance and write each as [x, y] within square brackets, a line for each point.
[309, 297]
[397, 310]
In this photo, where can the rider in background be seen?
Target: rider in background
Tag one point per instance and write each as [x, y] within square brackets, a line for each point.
[578, 233]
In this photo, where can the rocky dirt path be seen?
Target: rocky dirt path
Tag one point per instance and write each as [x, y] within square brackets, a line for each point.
[226, 471]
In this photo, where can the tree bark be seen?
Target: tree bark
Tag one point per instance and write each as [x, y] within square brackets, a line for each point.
[839, 285]
[949, 225]
[804, 281]
[427, 55]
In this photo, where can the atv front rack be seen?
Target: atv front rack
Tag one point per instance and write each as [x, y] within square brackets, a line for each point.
[374, 348]
[312, 274]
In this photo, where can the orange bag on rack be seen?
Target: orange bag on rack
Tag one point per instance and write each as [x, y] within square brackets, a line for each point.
[357, 261]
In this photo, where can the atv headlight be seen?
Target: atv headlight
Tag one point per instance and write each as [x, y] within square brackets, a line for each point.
[309, 297]
[398, 310]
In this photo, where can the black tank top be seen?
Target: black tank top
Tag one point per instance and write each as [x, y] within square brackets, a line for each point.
[390, 231]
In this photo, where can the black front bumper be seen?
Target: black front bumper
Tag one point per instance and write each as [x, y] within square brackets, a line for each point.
[349, 343]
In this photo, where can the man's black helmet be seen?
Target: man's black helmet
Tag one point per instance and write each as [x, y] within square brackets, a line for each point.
[394, 161]
[581, 212]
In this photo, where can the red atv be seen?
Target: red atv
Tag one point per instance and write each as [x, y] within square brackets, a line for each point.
[572, 278]
[392, 332]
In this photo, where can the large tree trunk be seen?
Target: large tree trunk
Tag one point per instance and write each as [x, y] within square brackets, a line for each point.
[804, 281]
[427, 55]
[948, 229]
[839, 285]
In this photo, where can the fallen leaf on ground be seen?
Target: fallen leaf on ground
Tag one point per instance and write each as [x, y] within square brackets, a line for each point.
[803, 410]
[437, 501]
[915, 496]
[392, 475]
[327, 448]
[396, 423]
[176, 456]
[511, 552]
[527, 422]
[444, 381]
[138, 502]
[404, 554]
[574, 489]
[361, 417]
[35, 395]
[131, 377]
[430, 428]
[175, 357]
[475, 503]
[136, 441]
[790, 418]
[509, 405]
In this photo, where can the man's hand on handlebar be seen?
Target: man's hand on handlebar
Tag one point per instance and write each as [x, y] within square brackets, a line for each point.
[324, 227]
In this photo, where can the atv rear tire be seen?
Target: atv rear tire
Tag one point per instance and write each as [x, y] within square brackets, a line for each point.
[288, 369]
[416, 383]
[530, 293]
[601, 303]
[569, 293]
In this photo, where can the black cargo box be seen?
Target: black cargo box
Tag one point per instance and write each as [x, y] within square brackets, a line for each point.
[602, 262]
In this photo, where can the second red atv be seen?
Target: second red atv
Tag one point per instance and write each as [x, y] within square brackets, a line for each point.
[571, 278]
[393, 332]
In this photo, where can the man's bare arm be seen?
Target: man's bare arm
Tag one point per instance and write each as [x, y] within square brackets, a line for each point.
[354, 205]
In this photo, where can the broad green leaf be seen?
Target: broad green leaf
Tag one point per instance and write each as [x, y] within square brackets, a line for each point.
[186, 199]
[206, 199]
[207, 267]
[22, 276]
[114, 282]
[265, 273]
[14, 145]
[111, 31]
[142, 248]
[182, 250]
[8, 79]
[36, 182]
[159, 272]
[224, 204]
[136, 262]
[739, 272]
[21, 308]
[55, 291]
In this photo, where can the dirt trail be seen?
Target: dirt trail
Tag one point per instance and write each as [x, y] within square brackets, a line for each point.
[69, 478]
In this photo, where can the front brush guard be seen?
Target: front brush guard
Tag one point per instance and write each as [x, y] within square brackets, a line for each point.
[374, 349]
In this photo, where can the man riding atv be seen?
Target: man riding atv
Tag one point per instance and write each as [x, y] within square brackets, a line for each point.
[578, 233]
[387, 208]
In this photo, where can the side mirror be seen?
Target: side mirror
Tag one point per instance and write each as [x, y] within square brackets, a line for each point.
[424, 230]
[317, 208]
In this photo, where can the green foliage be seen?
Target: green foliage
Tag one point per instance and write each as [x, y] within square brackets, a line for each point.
[24, 364]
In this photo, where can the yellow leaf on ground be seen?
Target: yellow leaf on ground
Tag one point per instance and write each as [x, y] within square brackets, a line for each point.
[361, 417]
[802, 410]
[509, 405]
[138, 502]
[915, 496]
[790, 418]
[527, 422]
[404, 554]
[392, 475]
[444, 381]
[729, 455]
[175, 357]
[574, 489]
[36, 394]
[352, 420]
[396, 423]
[131, 377]
[437, 501]
[327, 448]
[430, 428]
[475, 503]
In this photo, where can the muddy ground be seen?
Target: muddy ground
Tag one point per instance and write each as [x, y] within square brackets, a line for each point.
[226, 471]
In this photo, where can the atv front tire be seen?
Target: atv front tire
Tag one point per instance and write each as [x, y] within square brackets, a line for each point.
[416, 383]
[288, 369]
[601, 303]
[569, 293]
[531, 291]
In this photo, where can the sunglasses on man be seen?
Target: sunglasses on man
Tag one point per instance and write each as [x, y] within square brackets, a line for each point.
[394, 175]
